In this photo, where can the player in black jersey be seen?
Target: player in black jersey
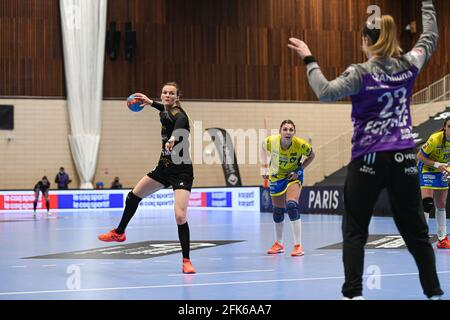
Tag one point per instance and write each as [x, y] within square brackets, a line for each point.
[41, 186]
[174, 169]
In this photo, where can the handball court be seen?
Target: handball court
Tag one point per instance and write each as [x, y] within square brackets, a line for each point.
[60, 258]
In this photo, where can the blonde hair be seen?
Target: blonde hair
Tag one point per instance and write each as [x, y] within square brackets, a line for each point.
[384, 41]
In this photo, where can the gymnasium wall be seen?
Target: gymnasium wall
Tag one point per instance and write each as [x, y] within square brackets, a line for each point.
[215, 49]
[439, 65]
[130, 142]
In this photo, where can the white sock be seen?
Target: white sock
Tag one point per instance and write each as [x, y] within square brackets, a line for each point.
[279, 232]
[427, 216]
[441, 220]
[297, 230]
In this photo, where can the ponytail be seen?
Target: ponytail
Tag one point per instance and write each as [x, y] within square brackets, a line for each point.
[384, 41]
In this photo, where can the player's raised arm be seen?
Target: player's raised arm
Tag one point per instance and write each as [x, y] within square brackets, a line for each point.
[427, 43]
[326, 91]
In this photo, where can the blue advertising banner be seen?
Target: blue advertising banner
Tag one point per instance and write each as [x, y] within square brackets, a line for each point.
[90, 201]
[218, 199]
[241, 199]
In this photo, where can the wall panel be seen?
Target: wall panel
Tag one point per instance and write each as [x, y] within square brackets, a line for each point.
[215, 49]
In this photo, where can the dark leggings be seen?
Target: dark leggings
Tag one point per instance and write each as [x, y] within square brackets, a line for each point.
[367, 176]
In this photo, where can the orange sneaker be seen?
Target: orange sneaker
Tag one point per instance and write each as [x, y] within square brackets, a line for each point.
[276, 248]
[444, 243]
[187, 266]
[298, 251]
[112, 236]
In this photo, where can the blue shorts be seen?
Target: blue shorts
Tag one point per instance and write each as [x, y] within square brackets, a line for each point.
[279, 187]
[433, 180]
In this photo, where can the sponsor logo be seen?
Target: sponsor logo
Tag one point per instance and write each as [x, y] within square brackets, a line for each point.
[246, 199]
[233, 179]
[429, 177]
[411, 171]
[400, 157]
[381, 241]
[370, 158]
[139, 250]
[323, 199]
[366, 169]
[383, 77]
[406, 133]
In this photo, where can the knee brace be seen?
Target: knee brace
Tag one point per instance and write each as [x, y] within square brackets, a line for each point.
[278, 214]
[292, 210]
[428, 204]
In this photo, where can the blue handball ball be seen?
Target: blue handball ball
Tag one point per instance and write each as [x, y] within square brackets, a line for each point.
[134, 103]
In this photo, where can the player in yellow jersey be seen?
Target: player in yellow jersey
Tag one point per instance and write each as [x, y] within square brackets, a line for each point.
[285, 172]
[433, 162]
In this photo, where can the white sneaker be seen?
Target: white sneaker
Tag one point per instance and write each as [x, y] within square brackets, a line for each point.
[49, 214]
[435, 298]
[354, 298]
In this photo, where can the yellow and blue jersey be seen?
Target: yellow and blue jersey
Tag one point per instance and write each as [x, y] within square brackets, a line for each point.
[283, 162]
[437, 148]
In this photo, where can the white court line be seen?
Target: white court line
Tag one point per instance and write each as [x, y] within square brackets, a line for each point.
[215, 258]
[162, 261]
[49, 265]
[18, 266]
[240, 258]
[134, 262]
[199, 284]
[106, 263]
[317, 254]
[224, 272]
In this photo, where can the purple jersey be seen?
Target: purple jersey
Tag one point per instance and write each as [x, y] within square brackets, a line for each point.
[381, 90]
[381, 113]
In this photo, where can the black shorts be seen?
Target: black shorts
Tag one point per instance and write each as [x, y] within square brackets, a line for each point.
[177, 176]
